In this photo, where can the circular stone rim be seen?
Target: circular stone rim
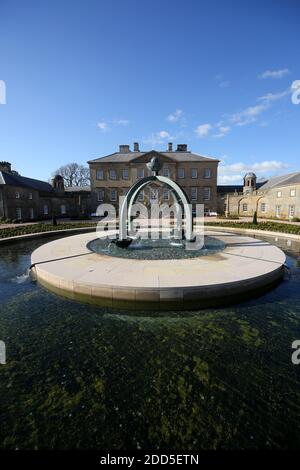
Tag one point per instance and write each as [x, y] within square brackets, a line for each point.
[246, 267]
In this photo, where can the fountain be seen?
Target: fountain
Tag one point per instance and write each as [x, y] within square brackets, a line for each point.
[115, 268]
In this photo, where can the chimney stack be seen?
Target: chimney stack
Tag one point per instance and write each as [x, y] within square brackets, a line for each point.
[170, 147]
[136, 147]
[124, 148]
[181, 148]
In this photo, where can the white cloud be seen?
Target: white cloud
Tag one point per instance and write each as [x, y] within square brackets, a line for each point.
[235, 172]
[222, 131]
[271, 97]
[274, 73]
[174, 117]
[269, 165]
[229, 179]
[164, 135]
[158, 138]
[103, 126]
[203, 130]
[121, 122]
[248, 115]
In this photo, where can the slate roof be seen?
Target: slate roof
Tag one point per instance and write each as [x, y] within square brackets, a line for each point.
[277, 181]
[13, 179]
[120, 157]
[225, 188]
[231, 188]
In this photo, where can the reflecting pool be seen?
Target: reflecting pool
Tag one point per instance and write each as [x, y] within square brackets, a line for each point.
[156, 248]
[89, 377]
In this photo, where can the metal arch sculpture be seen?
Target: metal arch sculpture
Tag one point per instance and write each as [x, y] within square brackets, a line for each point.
[131, 195]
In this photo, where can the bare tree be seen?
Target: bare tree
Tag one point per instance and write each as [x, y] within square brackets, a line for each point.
[74, 174]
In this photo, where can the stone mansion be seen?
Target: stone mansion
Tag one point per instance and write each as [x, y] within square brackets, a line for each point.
[114, 174]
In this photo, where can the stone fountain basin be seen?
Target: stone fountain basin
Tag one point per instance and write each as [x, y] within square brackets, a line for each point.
[247, 267]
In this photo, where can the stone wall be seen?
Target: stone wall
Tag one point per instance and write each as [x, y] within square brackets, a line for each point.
[29, 204]
[279, 202]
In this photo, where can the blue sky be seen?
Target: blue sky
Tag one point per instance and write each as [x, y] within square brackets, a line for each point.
[83, 77]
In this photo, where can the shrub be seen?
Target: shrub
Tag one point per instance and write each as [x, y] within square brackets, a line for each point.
[229, 217]
[254, 220]
[40, 227]
[269, 226]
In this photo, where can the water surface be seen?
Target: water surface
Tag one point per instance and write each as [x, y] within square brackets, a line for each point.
[88, 377]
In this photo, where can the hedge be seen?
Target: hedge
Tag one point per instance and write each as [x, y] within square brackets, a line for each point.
[36, 228]
[270, 226]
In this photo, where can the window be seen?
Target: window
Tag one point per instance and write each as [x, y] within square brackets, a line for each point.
[17, 195]
[46, 211]
[207, 194]
[113, 195]
[291, 211]
[31, 213]
[263, 207]
[166, 194]
[112, 175]
[141, 196]
[194, 194]
[207, 173]
[140, 173]
[125, 174]
[278, 211]
[19, 213]
[180, 173]
[100, 195]
[166, 172]
[30, 196]
[153, 195]
[99, 175]
[293, 192]
[245, 207]
[63, 209]
[279, 193]
[194, 173]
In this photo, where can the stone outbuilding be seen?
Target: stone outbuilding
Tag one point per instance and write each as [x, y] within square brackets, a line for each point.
[26, 199]
[276, 198]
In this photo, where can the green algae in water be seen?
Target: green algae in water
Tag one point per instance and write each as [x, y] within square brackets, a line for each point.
[78, 376]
